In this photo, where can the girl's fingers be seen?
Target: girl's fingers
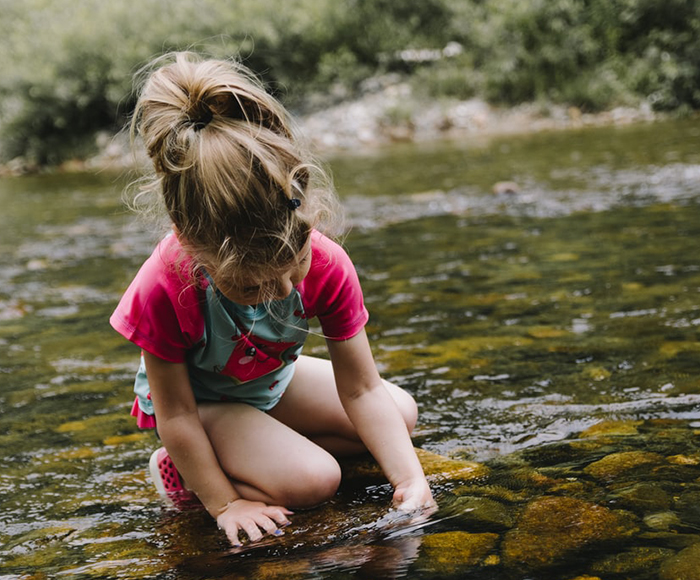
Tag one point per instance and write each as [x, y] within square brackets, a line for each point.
[268, 525]
[268, 522]
[232, 536]
[252, 530]
[279, 515]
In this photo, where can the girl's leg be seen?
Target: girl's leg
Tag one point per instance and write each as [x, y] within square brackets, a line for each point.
[311, 406]
[266, 460]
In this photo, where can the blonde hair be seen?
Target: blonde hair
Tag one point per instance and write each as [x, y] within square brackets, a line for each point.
[227, 166]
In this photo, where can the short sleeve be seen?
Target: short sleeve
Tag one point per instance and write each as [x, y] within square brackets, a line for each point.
[160, 310]
[331, 290]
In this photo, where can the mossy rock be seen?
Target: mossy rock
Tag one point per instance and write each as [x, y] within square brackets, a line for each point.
[546, 332]
[662, 521]
[684, 459]
[449, 553]
[496, 492]
[612, 428]
[642, 498]
[436, 468]
[669, 539]
[480, 513]
[683, 566]
[632, 562]
[688, 506]
[551, 529]
[527, 478]
[624, 463]
[439, 467]
[289, 569]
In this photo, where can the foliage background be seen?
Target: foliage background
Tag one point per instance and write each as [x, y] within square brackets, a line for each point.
[67, 65]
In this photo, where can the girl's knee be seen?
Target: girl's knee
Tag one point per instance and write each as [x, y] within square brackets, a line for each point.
[409, 410]
[312, 484]
[406, 404]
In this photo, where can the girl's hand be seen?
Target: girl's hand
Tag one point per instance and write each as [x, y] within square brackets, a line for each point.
[414, 496]
[251, 517]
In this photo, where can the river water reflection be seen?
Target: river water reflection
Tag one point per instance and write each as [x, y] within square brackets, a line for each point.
[541, 333]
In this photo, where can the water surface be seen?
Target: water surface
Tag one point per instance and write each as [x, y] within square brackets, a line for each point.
[518, 321]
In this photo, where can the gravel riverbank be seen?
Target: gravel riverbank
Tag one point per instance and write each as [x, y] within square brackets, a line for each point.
[387, 112]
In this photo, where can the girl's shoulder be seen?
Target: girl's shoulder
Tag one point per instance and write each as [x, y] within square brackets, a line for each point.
[169, 266]
[166, 276]
[161, 309]
[331, 290]
[327, 252]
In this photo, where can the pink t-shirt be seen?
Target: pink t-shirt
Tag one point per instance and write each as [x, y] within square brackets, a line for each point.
[235, 352]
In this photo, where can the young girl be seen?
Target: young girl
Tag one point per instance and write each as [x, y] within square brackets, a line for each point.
[249, 425]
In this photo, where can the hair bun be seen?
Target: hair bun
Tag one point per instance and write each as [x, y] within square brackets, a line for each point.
[199, 115]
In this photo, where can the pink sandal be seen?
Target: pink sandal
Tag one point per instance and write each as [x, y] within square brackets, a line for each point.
[168, 481]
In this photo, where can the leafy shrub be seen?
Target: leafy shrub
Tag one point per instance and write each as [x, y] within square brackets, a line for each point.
[454, 78]
[68, 66]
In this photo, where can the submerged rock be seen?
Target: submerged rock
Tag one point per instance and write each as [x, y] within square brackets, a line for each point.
[642, 497]
[553, 528]
[688, 506]
[617, 464]
[662, 521]
[612, 428]
[633, 561]
[480, 513]
[436, 468]
[440, 467]
[683, 566]
[669, 539]
[450, 552]
[684, 459]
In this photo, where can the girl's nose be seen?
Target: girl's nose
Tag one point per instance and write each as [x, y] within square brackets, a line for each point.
[284, 287]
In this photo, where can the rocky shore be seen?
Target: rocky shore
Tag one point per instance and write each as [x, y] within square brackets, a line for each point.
[388, 111]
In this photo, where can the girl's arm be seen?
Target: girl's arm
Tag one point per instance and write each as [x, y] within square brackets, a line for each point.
[378, 421]
[183, 435]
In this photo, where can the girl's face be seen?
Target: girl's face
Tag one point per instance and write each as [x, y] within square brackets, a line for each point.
[277, 287]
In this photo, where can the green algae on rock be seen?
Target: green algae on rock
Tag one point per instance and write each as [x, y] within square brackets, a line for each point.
[553, 528]
[437, 468]
[449, 553]
[641, 498]
[609, 427]
[683, 566]
[632, 562]
[625, 463]
[480, 513]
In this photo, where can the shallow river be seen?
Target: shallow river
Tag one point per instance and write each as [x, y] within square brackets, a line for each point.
[550, 337]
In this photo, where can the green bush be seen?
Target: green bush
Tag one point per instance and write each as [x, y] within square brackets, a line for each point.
[68, 65]
[454, 77]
